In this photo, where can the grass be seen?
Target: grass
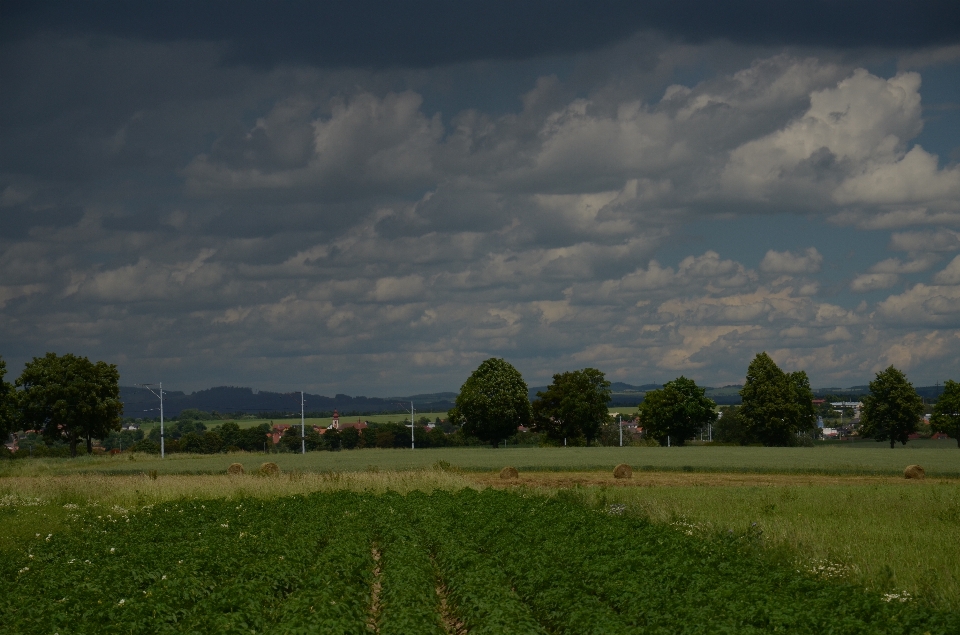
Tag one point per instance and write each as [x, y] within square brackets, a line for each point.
[892, 536]
[938, 460]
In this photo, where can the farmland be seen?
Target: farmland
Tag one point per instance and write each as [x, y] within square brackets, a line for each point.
[488, 561]
[939, 458]
[841, 518]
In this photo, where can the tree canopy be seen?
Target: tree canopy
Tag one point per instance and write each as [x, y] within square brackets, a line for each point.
[492, 403]
[946, 412]
[776, 405]
[678, 410]
[7, 396]
[573, 406]
[69, 397]
[892, 410]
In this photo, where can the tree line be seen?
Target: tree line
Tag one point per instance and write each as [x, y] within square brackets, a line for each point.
[776, 407]
[69, 399]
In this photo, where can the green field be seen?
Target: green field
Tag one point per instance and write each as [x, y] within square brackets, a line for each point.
[939, 458]
[447, 562]
[841, 512]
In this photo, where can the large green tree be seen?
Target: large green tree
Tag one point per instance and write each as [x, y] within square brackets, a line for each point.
[776, 405]
[892, 410]
[69, 397]
[573, 406]
[946, 412]
[678, 410]
[7, 410]
[492, 403]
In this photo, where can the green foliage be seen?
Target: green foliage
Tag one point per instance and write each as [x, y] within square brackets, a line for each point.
[574, 405]
[229, 434]
[123, 440]
[776, 405]
[70, 397]
[312, 440]
[892, 410]
[408, 601]
[7, 405]
[731, 428]
[306, 564]
[946, 412]
[492, 403]
[677, 410]
[193, 414]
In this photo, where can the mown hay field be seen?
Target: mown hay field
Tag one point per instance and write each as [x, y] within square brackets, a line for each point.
[941, 458]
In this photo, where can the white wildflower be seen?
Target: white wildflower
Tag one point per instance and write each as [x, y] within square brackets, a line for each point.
[113, 549]
[121, 602]
[24, 570]
[903, 596]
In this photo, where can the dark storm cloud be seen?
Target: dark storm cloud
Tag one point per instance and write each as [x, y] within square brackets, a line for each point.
[425, 33]
[19, 220]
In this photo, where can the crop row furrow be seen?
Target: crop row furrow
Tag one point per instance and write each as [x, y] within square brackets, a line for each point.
[408, 599]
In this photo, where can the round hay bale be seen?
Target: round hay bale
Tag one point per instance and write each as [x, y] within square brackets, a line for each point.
[235, 468]
[623, 471]
[269, 469]
[509, 473]
[914, 471]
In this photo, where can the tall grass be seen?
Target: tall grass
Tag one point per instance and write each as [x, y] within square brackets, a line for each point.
[888, 536]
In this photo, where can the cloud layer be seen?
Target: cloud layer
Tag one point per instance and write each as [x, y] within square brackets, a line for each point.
[291, 226]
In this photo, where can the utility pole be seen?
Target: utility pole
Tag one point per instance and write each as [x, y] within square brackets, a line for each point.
[147, 386]
[411, 427]
[303, 430]
[620, 419]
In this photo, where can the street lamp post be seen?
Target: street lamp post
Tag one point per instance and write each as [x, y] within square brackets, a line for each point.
[160, 387]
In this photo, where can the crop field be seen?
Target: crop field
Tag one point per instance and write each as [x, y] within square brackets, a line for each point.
[939, 458]
[445, 561]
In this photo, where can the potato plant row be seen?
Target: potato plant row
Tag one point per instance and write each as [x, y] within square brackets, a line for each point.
[479, 562]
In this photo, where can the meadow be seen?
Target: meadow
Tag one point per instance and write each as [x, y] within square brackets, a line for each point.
[939, 458]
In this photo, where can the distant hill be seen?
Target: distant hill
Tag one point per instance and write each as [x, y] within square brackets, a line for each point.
[140, 402]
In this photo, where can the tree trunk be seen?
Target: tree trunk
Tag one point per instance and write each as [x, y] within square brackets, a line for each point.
[89, 445]
[893, 441]
[73, 444]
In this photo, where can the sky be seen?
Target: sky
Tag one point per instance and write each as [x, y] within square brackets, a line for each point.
[373, 197]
